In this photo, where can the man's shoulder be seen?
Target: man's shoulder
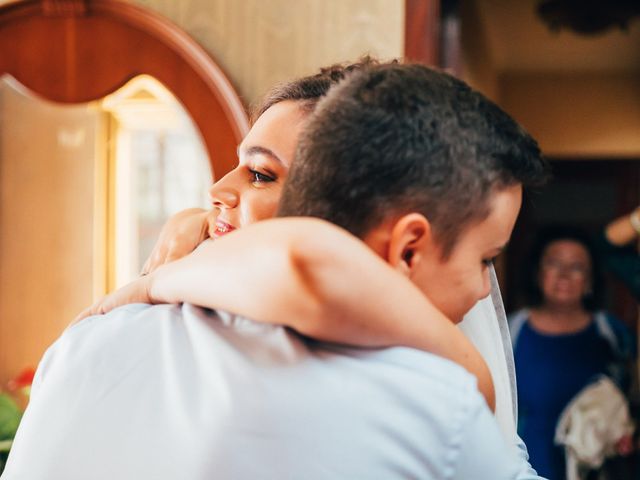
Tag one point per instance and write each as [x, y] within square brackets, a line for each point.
[174, 335]
[180, 335]
[131, 316]
[425, 371]
[236, 383]
[141, 318]
[127, 321]
[137, 325]
[129, 327]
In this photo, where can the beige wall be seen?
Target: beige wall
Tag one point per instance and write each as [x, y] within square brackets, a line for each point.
[262, 42]
[46, 232]
[585, 115]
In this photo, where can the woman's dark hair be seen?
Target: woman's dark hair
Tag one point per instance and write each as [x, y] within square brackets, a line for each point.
[591, 301]
[310, 89]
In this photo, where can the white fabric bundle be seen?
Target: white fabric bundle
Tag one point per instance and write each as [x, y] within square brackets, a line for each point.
[591, 425]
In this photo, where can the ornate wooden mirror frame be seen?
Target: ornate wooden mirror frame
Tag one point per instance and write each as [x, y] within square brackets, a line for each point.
[74, 51]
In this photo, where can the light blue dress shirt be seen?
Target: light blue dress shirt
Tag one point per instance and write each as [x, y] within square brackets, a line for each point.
[179, 392]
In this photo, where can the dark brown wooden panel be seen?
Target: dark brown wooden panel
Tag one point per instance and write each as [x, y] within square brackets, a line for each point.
[422, 31]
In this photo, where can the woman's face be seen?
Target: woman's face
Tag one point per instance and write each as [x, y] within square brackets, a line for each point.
[565, 273]
[252, 190]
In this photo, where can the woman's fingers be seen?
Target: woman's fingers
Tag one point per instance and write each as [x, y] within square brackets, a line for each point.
[157, 256]
[95, 309]
[134, 292]
[179, 236]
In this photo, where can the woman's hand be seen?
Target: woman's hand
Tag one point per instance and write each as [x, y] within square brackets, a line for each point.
[625, 229]
[625, 446]
[134, 292]
[179, 236]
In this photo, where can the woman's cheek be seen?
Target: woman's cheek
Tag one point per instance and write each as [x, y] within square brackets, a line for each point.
[265, 206]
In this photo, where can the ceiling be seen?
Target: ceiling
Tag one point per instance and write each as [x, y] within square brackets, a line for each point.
[519, 41]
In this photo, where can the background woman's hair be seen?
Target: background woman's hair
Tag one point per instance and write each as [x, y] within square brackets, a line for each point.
[547, 235]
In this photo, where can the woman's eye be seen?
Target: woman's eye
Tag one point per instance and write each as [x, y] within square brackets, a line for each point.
[258, 177]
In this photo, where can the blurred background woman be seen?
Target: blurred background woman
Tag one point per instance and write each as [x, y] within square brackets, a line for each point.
[562, 342]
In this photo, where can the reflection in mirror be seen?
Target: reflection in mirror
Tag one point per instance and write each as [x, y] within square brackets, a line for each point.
[84, 191]
[157, 165]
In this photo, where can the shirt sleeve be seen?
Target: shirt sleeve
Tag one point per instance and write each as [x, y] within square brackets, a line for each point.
[484, 454]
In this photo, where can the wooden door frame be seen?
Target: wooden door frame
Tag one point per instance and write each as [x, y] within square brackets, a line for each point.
[422, 31]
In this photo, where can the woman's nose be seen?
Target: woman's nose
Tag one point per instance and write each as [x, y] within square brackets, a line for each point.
[223, 194]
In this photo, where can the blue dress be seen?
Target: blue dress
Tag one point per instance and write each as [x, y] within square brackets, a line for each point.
[550, 371]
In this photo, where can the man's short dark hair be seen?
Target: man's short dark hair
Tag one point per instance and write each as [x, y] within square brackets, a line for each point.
[395, 138]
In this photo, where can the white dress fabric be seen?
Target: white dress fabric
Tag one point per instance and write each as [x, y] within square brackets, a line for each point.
[486, 326]
[171, 392]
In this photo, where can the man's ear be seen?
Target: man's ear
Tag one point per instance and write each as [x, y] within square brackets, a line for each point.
[410, 237]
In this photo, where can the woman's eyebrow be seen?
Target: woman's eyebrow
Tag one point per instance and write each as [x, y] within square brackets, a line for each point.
[258, 150]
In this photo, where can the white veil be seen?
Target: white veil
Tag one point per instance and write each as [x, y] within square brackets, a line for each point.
[486, 326]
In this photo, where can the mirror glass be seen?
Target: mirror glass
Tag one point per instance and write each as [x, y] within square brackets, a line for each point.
[84, 190]
[157, 165]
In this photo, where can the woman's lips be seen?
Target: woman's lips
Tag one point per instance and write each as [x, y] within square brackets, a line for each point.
[222, 228]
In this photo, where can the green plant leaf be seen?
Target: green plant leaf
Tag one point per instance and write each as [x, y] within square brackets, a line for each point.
[10, 416]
